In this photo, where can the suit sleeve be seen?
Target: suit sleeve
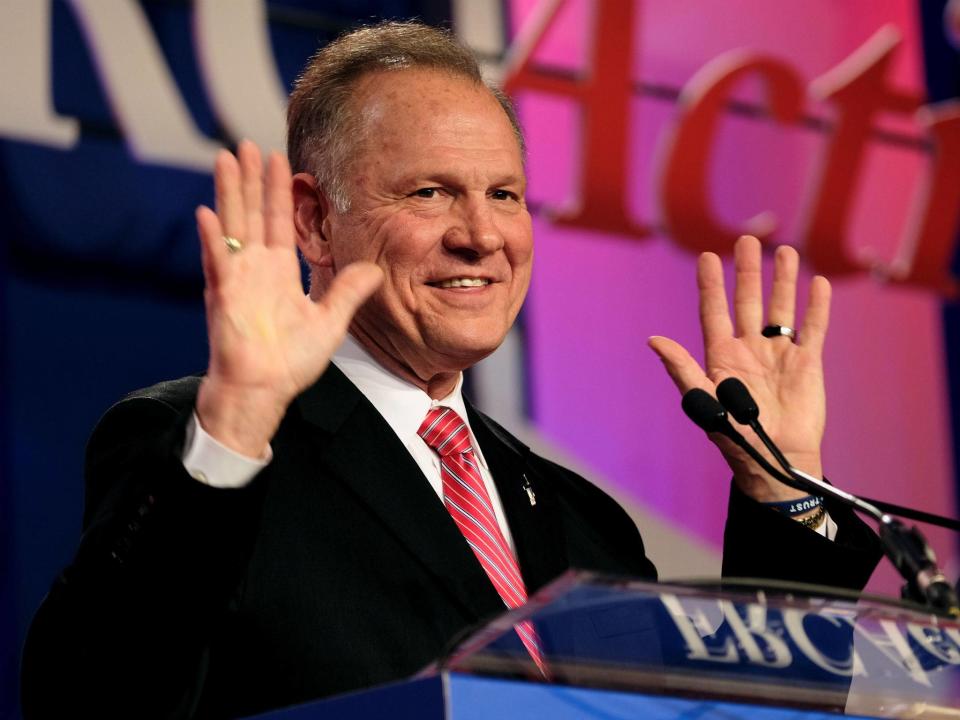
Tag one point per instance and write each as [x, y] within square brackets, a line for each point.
[124, 629]
[761, 543]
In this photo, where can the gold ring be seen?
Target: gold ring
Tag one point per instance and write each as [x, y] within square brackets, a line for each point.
[233, 245]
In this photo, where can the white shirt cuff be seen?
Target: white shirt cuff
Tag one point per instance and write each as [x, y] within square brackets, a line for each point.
[828, 528]
[212, 463]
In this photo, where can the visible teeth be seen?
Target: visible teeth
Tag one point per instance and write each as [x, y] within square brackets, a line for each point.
[463, 282]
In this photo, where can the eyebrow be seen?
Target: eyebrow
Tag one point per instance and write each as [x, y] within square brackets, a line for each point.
[455, 179]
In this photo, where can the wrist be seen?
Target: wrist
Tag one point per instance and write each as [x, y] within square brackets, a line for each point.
[809, 510]
[242, 419]
[807, 463]
[755, 482]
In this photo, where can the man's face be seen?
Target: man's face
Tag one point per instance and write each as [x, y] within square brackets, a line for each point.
[436, 185]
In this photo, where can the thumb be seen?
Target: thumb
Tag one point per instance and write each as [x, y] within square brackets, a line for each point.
[351, 287]
[685, 372]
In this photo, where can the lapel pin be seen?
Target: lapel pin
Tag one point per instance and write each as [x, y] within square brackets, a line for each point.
[529, 491]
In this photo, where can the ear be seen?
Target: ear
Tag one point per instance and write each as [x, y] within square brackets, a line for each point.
[311, 208]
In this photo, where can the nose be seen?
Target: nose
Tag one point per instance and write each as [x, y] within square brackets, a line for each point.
[474, 232]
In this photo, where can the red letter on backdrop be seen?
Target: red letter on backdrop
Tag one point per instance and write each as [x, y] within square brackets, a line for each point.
[605, 103]
[684, 190]
[931, 242]
[858, 86]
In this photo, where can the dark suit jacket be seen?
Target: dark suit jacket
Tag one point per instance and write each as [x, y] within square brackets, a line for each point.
[336, 569]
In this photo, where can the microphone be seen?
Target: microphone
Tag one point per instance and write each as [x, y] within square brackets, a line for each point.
[734, 394]
[710, 416]
[737, 400]
[906, 548]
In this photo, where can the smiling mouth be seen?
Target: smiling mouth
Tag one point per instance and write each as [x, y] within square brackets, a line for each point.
[460, 282]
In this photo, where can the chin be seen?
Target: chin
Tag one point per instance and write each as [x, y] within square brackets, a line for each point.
[468, 349]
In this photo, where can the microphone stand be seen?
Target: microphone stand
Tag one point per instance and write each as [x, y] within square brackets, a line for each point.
[906, 547]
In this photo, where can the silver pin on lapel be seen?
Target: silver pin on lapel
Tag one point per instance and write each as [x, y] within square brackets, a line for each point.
[529, 491]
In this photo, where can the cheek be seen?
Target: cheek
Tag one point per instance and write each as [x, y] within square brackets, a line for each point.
[406, 247]
[404, 257]
[523, 257]
[520, 249]
[351, 244]
[360, 235]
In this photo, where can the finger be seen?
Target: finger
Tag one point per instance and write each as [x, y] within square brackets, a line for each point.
[748, 293]
[685, 372]
[817, 317]
[213, 251]
[251, 187]
[279, 203]
[714, 313]
[783, 294]
[226, 182]
[349, 290]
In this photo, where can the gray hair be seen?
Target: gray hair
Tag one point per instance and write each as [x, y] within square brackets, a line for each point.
[320, 117]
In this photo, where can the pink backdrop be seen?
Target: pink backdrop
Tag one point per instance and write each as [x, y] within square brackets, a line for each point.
[595, 387]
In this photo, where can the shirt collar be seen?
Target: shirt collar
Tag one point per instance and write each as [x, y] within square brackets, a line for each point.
[401, 403]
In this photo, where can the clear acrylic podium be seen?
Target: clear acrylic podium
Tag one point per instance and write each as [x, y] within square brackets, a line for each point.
[616, 648]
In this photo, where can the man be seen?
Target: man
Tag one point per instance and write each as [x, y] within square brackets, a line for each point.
[282, 529]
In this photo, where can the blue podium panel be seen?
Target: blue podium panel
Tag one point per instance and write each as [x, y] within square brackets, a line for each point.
[452, 696]
[418, 699]
[776, 647]
[615, 648]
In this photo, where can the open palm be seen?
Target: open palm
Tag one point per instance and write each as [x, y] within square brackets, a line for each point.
[785, 378]
[268, 340]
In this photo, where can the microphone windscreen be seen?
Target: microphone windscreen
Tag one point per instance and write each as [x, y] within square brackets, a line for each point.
[701, 407]
[738, 401]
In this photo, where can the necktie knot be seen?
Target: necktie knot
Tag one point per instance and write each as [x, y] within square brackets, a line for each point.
[445, 432]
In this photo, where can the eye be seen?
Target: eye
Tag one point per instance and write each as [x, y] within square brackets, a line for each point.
[503, 195]
[427, 192]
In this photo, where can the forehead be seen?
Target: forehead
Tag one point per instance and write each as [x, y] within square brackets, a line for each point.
[418, 111]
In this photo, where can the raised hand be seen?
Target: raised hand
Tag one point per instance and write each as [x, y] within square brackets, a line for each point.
[268, 340]
[784, 377]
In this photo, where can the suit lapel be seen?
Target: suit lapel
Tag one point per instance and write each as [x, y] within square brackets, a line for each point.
[365, 454]
[535, 524]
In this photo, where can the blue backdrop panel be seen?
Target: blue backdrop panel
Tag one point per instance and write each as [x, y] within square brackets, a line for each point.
[101, 282]
[942, 69]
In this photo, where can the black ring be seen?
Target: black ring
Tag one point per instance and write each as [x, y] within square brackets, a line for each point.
[773, 331]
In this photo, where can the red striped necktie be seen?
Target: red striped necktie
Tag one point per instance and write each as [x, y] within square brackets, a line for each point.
[467, 500]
